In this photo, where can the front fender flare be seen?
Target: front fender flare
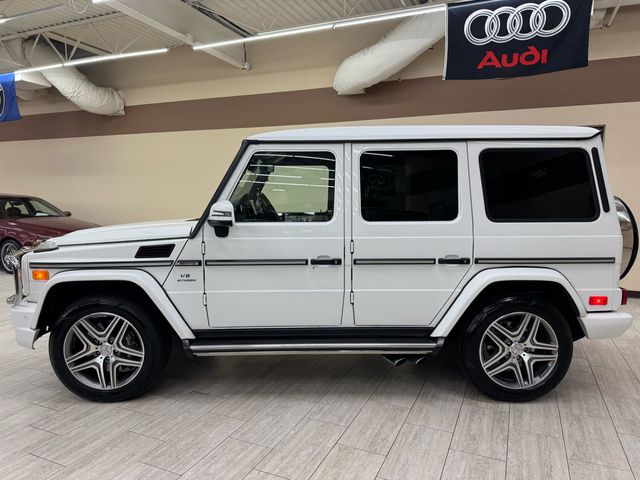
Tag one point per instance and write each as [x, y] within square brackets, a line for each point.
[487, 277]
[138, 277]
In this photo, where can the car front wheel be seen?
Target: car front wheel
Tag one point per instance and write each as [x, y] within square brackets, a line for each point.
[517, 348]
[8, 248]
[107, 349]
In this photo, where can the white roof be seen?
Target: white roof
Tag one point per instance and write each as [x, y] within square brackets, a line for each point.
[426, 132]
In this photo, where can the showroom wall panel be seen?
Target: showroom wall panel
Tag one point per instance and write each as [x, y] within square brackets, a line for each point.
[147, 176]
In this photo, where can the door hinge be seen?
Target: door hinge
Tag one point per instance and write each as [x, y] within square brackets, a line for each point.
[351, 297]
[351, 246]
[204, 299]
[203, 248]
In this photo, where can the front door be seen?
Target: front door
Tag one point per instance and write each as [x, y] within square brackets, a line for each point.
[411, 230]
[282, 263]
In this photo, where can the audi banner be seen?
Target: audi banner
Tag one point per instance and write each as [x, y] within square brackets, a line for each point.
[513, 38]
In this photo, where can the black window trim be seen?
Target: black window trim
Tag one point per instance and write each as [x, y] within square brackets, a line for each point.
[243, 163]
[412, 148]
[602, 185]
[592, 181]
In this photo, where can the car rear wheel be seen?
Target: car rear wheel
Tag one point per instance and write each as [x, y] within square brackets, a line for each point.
[517, 349]
[108, 349]
[8, 248]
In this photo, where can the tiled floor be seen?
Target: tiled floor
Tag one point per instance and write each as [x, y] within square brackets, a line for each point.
[331, 417]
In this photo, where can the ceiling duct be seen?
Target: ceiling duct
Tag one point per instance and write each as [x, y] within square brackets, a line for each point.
[72, 84]
[397, 49]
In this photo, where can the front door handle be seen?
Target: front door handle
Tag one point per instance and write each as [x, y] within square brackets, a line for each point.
[325, 260]
[454, 261]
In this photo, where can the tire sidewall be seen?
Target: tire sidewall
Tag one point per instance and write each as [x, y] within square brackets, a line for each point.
[155, 348]
[470, 347]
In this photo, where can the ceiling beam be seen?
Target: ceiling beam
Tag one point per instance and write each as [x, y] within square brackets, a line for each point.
[59, 26]
[186, 24]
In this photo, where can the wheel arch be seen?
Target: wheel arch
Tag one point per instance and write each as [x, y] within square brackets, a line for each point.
[490, 284]
[135, 284]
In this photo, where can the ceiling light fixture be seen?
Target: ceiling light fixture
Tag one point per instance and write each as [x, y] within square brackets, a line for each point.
[95, 59]
[30, 13]
[376, 17]
[115, 56]
[264, 36]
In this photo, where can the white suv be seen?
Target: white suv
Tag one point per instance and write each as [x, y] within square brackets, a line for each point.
[504, 241]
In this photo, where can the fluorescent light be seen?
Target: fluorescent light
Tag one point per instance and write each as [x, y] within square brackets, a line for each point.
[267, 35]
[95, 59]
[39, 69]
[115, 56]
[390, 16]
[100, 1]
[30, 13]
[376, 17]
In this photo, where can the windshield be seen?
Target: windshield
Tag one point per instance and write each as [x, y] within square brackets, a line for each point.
[27, 207]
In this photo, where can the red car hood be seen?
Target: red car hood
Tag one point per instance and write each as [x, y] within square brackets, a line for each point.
[53, 226]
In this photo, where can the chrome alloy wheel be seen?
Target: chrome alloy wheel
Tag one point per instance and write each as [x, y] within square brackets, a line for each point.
[103, 351]
[7, 250]
[519, 350]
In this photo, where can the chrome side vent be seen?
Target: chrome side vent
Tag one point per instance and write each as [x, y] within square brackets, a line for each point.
[155, 251]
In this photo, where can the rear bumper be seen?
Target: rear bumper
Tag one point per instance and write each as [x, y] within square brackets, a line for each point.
[22, 314]
[605, 324]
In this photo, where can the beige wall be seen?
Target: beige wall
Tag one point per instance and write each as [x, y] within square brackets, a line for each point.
[128, 178]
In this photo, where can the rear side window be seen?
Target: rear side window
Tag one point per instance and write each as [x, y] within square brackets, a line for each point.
[409, 185]
[538, 185]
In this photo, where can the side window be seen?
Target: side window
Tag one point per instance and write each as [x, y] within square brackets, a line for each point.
[15, 208]
[538, 185]
[409, 185]
[286, 187]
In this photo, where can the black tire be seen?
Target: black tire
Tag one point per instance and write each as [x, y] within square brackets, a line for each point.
[7, 247]
[154, 336]
[470, 348]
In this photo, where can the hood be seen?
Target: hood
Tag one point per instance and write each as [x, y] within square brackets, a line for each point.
[52, 226]
[130, 232]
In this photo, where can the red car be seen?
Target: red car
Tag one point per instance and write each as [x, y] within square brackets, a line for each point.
[25, 220]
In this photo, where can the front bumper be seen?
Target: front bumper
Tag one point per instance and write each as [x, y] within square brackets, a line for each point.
[22, 314]
[605, 324]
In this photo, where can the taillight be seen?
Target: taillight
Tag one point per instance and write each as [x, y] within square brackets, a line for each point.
[598, 300]
[625, 296]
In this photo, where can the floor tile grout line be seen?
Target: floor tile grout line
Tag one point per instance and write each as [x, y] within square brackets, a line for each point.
[449, 448]
[204, 456]
[626, 457]
[564, 440]
[337, 442]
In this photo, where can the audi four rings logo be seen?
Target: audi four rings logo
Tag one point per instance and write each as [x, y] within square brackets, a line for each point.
[515, 21]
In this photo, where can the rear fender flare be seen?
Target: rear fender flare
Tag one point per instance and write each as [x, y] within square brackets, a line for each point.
[487, 277]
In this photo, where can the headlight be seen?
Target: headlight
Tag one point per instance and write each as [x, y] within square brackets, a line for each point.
[46, 246]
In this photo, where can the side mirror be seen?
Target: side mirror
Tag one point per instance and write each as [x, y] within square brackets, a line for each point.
[221, 217]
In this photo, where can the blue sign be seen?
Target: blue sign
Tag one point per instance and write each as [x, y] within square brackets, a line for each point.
[8, 99]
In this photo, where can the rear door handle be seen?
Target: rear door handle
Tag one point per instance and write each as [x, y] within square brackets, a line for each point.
[454, 261]
[325, 260]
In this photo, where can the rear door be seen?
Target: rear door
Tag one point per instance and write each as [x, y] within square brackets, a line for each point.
[411, 230]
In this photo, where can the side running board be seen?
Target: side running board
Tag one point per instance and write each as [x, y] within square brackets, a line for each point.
[213, 347]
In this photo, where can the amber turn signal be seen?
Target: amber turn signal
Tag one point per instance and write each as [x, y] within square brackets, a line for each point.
[40, 275]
